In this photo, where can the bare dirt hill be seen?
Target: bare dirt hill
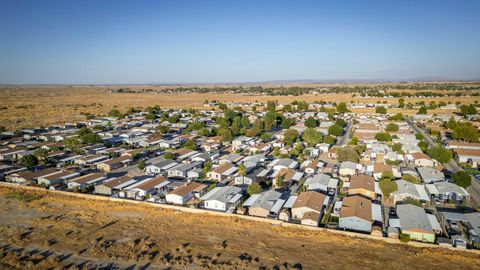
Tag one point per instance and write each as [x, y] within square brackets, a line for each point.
[39, 230]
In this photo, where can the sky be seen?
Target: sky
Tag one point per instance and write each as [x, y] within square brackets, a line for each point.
[177, 41]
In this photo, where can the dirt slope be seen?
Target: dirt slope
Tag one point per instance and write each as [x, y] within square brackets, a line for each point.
[86, 232]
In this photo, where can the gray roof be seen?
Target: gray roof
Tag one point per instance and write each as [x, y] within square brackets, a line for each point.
[413, 217]
[184, 167]
[430, 175]
[412, 189]
[267, 199]
[222, 194]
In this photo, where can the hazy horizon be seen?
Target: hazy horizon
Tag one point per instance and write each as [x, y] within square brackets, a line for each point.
[200, 42]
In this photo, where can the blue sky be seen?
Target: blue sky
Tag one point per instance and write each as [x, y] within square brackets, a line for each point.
[236, 41]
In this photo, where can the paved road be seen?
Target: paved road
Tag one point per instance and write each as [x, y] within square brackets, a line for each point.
[346, 135]
[452, 165]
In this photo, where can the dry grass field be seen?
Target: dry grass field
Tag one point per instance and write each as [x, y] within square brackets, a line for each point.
[54, 231]
[36, 106]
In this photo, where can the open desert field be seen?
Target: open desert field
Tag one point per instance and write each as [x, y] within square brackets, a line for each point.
[36, 106]
[40, 230]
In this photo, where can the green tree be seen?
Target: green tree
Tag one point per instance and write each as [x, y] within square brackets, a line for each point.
[383, 136]
[265, 136]
[290, 136]
[465, 131]
[311, 122]
[190, 144]
[329, 140]
[401, 103]
[311, 137]
[468, 109]
[422, 110]
[381, 110]
[396, 117]
[354, 141]
[279, 181]
[41, 154]
[254, 188]
[115, 113]
[440, 154]
[418, 136]
[271, 106]
[423, 146]
[397, 147]
[335, 130]
[342, 107]
[73, 144]
[340, 122]
[387, 185]
[226, 134]
[462, 179]
[29, 161]
[142, 164]
[392, 127]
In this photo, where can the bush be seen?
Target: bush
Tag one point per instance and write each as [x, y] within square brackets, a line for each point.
[383, 136]
[404, 238]
[254, 188]
[419, 136]
[387, 186]
[392, 127]
[411, 179]
[381, 110]
[24, 197]
[396, 117]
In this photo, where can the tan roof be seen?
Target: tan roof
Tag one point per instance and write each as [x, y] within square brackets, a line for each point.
[420, 155]
[468, 152]
[368, 126]
[313, 164]
[187, 188]
[117, 181]
[287, 174]
[28, 175]
[455, 143]
[223, 168]
[356, 206]
[380, 167]
[311, 199]
[311, 216]
[89, 177]
[151, 183]
[362, 181]
[116, 160]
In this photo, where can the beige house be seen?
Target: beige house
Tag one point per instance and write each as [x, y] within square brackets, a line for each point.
[309, 207]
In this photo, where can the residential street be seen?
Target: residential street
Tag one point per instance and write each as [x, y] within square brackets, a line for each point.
[346, 135]
[452, 165]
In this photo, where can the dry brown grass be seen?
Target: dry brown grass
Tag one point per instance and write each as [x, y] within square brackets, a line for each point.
[129, 233]
[40, 106]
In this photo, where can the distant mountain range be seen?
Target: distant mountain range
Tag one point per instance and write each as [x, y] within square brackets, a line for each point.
[277, 82]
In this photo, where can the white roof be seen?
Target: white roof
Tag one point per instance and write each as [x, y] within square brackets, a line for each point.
[277, 206]
[434, 222]
[291, 200]
[377, 212]
[251, 200]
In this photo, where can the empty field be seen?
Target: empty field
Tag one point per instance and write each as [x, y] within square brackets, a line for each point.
[40, 106]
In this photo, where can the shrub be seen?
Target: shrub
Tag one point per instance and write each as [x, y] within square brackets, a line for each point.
[392, 127]
[440, 154]
[404, 238]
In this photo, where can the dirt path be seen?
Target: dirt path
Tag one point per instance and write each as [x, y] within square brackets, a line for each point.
[137, 236]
